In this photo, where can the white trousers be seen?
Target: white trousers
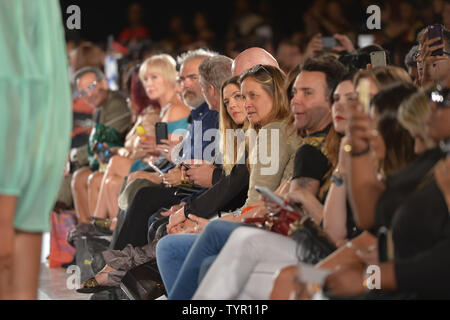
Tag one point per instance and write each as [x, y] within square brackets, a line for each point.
[247, 265]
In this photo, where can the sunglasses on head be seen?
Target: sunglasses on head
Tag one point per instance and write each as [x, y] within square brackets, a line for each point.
[259, 67]
[441, 96]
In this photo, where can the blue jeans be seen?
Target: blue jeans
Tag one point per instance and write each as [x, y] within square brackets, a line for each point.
[181, 257]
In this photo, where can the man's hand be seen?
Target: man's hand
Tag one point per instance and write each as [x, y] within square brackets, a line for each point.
[173, 177]
[314, 46]
[200, 174]
[345, 43]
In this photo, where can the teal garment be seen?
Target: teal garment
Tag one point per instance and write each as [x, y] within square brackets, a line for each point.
[179, 124]
[35, 108]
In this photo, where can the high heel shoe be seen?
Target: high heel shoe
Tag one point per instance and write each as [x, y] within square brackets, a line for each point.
[92, 286]
[102, 225]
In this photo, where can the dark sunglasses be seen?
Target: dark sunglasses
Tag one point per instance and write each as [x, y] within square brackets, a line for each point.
[259, 67]
[441, 96]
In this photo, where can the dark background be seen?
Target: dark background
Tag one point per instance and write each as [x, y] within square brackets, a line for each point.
[100, 18]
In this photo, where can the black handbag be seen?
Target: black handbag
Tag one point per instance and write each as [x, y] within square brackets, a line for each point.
[143, 282]
[313, 244]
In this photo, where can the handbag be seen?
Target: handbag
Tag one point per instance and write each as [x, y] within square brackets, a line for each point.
[102, 133]
[313, 244]
[143, 282]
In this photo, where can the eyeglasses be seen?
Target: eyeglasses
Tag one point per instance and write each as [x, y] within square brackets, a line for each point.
[441, 96]
[417, 54]
[91, 87]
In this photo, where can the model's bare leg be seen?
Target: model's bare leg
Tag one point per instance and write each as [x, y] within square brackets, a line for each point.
[26, 264]
[7, 209]
[80, 193]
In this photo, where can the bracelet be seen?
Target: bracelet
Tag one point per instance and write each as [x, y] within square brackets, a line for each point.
[349, 149]
[238, 212]
[337, 178]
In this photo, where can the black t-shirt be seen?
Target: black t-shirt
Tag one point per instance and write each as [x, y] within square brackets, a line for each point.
[310, 162]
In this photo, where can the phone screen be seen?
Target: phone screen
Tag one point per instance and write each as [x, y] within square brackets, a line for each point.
[329, 42]
[435, 31]
[161, 132]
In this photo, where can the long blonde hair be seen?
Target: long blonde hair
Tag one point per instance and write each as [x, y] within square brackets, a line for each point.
[413, 112]
[382, 76]
[230, 157]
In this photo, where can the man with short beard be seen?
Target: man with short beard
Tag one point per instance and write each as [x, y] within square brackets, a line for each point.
[311, 105]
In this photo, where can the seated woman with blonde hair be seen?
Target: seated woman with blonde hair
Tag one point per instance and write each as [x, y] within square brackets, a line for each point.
[158, 77]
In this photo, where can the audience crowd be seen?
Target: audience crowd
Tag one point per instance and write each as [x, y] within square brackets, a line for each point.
[280, 151]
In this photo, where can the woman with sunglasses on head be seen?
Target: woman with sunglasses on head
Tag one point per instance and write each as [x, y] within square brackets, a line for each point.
[268, 111]
[410, 212]
[227, 194]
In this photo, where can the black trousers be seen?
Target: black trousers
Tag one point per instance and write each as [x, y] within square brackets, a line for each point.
[147, 201]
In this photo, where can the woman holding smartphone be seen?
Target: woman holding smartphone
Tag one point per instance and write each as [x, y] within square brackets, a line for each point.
[158, 76]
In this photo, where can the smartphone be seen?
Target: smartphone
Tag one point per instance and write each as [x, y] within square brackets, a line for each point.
[268, 194]
[103, 152]
[329, 42]
[185, 165]
[378, 59]
[161, 132]
[435, 31]
[155, 168]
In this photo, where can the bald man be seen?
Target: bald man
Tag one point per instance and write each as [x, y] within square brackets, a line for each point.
[251, 57]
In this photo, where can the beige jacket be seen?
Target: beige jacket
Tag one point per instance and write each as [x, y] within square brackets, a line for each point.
[275, 163]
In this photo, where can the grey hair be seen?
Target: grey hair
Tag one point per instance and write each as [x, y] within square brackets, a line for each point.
[410, 60]
[215, 71]
[195, 54]
[98, 73]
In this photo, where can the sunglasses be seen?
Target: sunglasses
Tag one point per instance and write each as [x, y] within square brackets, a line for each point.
[441, 96]
[91, 87]
[259, 67]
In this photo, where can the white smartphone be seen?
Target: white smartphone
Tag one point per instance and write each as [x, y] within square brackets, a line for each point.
[378, 59]
[267, 193]
[364, 94]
